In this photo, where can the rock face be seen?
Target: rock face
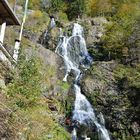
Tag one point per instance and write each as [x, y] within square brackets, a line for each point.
[102, 75]
[49, 38]
[120, 106]
[119, 103]
[53, 64]
[94, 30]
[47, 56]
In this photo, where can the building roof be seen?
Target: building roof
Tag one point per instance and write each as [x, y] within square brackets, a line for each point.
[7, 14]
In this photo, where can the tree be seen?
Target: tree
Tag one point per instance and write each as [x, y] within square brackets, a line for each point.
[123, 24]
[76, 8]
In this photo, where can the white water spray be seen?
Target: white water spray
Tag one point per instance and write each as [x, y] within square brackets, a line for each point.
[74, 134]
[52, 23]
[74, 52]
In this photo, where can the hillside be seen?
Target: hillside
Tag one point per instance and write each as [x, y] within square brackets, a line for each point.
[78, 55]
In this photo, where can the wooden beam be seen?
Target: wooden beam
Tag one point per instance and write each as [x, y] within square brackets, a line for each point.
[6, 53]
[2, 33]
[7, 11]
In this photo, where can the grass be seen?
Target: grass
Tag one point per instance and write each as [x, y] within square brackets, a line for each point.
[34, 123]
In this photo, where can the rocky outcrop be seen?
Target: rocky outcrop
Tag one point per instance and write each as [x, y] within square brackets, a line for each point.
[52, 63]
[49, 39]
[120, 106]
[100, 78]
[94, 29]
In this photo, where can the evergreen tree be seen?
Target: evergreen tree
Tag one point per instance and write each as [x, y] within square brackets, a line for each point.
[76, 8]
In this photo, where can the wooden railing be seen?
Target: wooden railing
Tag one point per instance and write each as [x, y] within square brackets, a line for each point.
[5, 56]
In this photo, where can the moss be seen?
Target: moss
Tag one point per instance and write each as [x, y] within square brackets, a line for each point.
[64, 86]
[93, 98]
[130, 74]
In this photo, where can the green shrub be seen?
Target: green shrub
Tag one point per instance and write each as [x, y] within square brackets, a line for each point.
[25, 88]
[37, 14]
[76, 8]
[128, 73]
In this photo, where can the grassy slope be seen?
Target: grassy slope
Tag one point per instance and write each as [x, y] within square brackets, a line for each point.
[35, 122]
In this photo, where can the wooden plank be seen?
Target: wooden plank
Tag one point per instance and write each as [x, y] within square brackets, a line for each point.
[7, 14]
[7, 54]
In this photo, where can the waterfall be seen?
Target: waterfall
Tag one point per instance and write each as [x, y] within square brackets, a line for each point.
[74, 53]
[74, 134]
[52, 23]
[46, 35]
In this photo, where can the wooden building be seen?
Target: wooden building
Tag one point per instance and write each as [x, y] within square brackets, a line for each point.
[7, 18]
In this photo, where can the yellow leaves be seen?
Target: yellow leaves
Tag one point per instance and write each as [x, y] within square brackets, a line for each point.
[104, 5]
[34, 4]
[37, 14]
[107, 7]
[25, 128]
[98, 7]
[127, 8]
[91, 7]
[91, 4]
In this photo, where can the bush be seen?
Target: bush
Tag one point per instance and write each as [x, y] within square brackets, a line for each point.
[99, 7]
[63, 16]
[37, 14]
[53, 6]
[25, 88]
[117, 36]
[34, 4]
[76, 8]
[129, 74]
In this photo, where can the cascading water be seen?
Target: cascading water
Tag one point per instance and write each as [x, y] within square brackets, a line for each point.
[50, 27]
[74, 134]
[74, 52]
[52, 23]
